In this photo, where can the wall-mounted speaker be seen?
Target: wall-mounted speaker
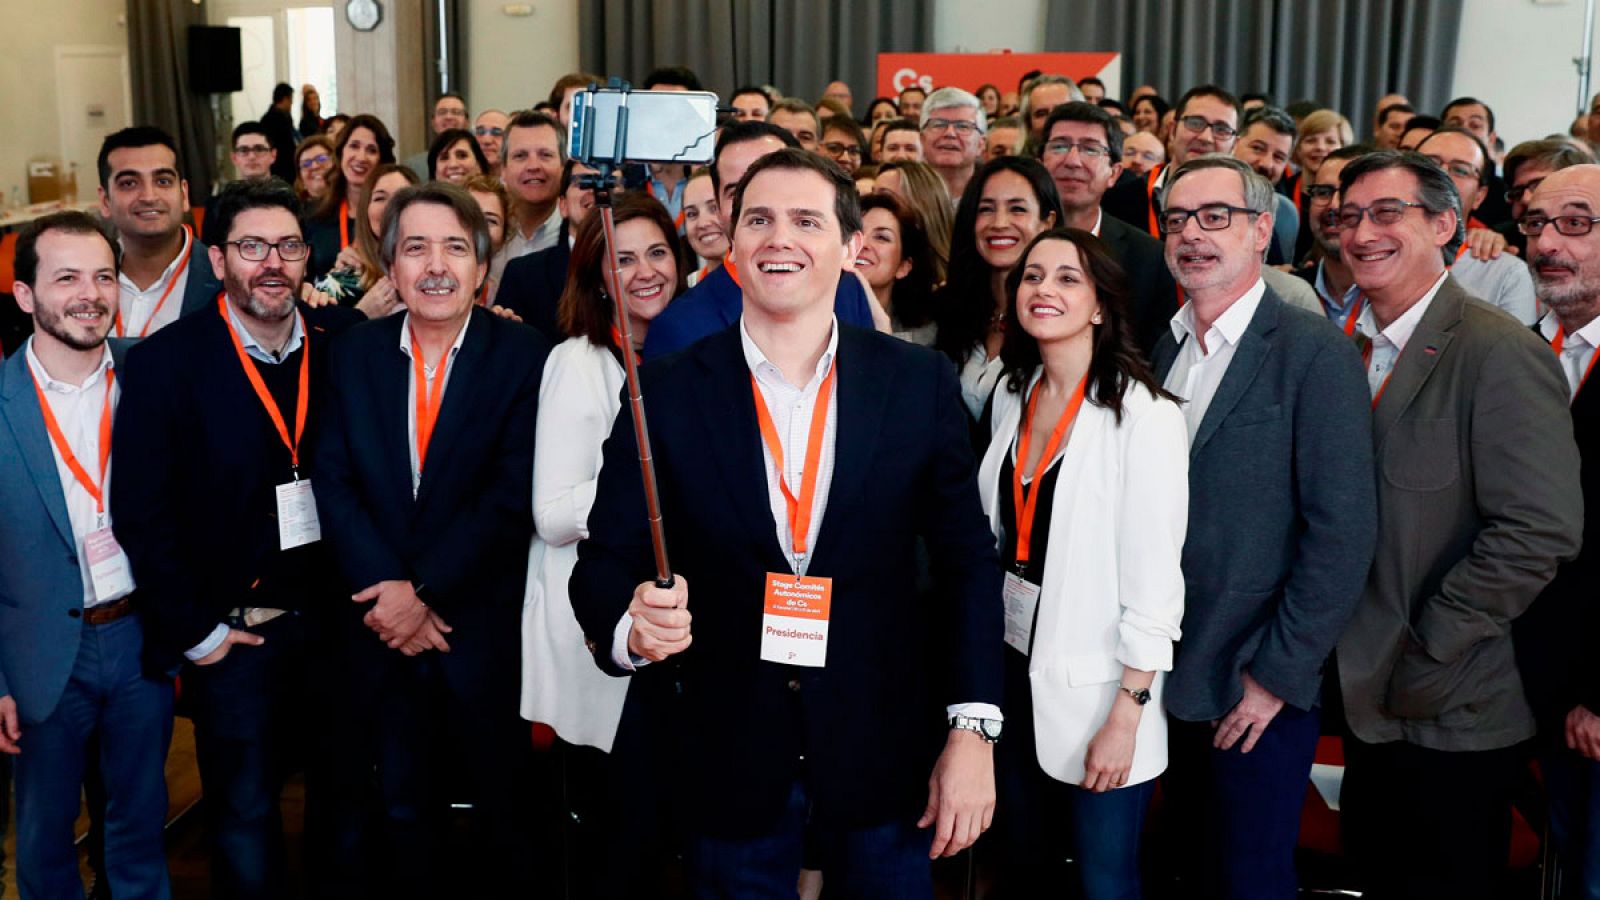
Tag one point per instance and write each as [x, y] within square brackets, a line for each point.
[214, 66]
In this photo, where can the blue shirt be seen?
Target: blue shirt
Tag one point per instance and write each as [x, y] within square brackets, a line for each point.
[717, 302]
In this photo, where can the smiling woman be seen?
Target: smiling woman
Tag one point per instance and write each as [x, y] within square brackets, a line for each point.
[455, 156]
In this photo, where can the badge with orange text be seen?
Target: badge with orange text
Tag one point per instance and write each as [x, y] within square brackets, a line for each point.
[794, 629]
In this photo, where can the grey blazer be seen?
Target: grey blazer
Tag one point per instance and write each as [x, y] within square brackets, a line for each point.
[1282, 514]
[1480, 498]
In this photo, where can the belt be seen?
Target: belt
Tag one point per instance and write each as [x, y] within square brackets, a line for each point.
[108, 612]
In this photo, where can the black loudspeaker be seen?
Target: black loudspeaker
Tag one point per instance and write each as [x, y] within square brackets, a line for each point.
[214, 60]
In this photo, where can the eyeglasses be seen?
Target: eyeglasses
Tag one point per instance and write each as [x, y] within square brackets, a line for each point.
[1321, 193]
[836, 148]
[1089, 150]
[1516, 193]
[1212, 217]
[1571, 226]
[1329, 219]
[1455, 169]
[321, 159]
[1198, 124]
[1149, 156]
[256, 150]
[959, 126]
[489, 131]
[417, 247]
[256, 250]
[1384, 212]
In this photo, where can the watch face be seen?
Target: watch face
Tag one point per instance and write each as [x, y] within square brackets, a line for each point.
[991, 728]
[364, 15]
[1143, 696]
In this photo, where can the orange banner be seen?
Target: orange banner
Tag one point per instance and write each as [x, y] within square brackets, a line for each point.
[898, 71]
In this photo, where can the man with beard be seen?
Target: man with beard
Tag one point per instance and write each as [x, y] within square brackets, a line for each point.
[214, 504]
[69, 646]
[1331, 277]
[1265, 143]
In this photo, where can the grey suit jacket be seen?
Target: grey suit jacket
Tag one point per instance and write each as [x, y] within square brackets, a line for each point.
[1480, 501]
[1282, 512]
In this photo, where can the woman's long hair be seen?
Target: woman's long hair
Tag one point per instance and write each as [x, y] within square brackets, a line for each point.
[329, 207]
[366, 241]
[913, 295]
[1116, 362]
[586, 309]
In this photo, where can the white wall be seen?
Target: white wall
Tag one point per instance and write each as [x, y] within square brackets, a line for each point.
[514, 60]
[963, 26]
[33, 31]
[1516, 55]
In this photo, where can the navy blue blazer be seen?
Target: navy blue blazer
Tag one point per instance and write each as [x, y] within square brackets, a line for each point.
[41, 585]
[1283, 514]
[464, 538]
[201, 291]
[1153, 295]
[872, 721]
[531, 286]
[717, 302]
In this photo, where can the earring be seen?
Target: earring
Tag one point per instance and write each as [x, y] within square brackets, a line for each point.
[1094, 319]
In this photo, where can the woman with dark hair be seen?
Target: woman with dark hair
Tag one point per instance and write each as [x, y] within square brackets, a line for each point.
[311, 120]
[1085, 482]
[989, 97]
[330, 229]
[1147, 113]
[313, 162]
[1007, 203]
[897, 262]
[882, 109]
[455, 156]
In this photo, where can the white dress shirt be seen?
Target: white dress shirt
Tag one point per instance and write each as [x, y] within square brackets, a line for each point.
[1198, 371]
[77, 409]
[1388, 343]
[429, 373]
[979, 374]
[543, 238]
[1503, 281]
[1577, 349]
[138, 308]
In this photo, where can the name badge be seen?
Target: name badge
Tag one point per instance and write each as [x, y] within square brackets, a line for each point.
[794, 629]
[1022, 599]
[297, 515]
[109, 571]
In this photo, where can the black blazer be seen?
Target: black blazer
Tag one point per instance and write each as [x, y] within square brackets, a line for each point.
[196, 462]
[1153, 295]
[1129, 201]
[464, 537]
[872, 721]
[531, 286]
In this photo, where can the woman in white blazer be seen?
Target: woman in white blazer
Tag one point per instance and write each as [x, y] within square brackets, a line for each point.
[578, 401]
[1091, 535]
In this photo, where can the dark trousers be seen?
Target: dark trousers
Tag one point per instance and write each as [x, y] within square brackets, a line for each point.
[107, 698]
[1572, 783]
[1236, 816]
[250, 725]
[883, 862]
[1427, 824]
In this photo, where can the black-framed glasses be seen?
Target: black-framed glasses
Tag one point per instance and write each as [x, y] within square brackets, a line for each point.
[836, 148]
[489, 131]
[256, 250]
[1571, 226]
[959, 126]
[321, 159]
[1086, 149]
[1321, 192]
[1515, 193]
[1456, 169]
[1384, 212]
[1211, 217]
[1198, 124]
[1329, 219]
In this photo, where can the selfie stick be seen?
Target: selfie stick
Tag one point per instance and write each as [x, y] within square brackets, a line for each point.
[601, 184]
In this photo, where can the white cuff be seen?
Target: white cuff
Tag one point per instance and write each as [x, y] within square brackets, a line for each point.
[620, 654]
[974, 711]
[207, 646]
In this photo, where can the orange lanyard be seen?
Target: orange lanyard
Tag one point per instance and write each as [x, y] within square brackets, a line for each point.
[344, 224]
[1294, 195]
[1026, 508]
[65, 449]
[733, 270]
[799, 507]
[1150, 194]
[1349, 325]
[183, 266]
[428, 399]
[265, 395]
[1556, 344]
[1460, 252]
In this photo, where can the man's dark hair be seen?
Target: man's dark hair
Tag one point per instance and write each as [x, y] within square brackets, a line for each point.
[915, 88]
[1427, 123]
[244, 128]
[437, 193]
[1266, 99]
[1485, 169]
[1435, 191]
[528, 118]
[68, 221]
[849, 127]
[1391, 109]
[253, 193]
[1270, 116]
[902, 124]
[1349, 152]
[677, 76]
[1299, 109]
[127, 138]
[1549, 153]
[1208, 90]
[1026, 77]
[1114, 107]
[744, 132]
[846, 203]
[1467, 101]
[796, 105]
[569, 81]
[449, 95]
[1091, 80]
[282, 92]
[750, 89]
[1084, 111]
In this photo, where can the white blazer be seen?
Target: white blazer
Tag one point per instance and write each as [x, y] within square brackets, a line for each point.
[561, 685]
[1113, 590]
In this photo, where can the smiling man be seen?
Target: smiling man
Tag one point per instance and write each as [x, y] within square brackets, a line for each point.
[533, 152]
[1206, 121]
[953, 127]
[804, 616]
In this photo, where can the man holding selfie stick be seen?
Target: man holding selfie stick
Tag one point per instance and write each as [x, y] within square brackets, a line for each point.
[805, 688]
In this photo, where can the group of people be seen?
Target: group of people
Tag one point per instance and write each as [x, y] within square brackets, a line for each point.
[1000, 482]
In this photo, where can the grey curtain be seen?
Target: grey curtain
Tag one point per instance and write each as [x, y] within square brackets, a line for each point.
[797, 45]
[1344, 54]
[158, 64]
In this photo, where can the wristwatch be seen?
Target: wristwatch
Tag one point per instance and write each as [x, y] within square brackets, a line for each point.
[1140, 696]
[988, 729]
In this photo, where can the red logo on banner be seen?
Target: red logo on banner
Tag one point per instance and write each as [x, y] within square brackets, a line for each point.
[898, 71]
